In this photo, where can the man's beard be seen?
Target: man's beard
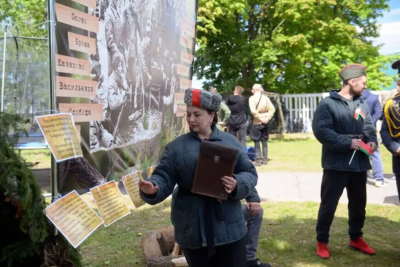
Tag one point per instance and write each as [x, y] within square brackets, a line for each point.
[354, 92]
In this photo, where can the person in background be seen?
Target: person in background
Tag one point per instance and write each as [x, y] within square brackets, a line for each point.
[376, 159]
[341, 123]
[253, 214]
[262, 110]
[223, 113]
[390, 131]
[211, 233]
[237, 121]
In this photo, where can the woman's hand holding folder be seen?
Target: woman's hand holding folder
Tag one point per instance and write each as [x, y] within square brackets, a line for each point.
[229, 183]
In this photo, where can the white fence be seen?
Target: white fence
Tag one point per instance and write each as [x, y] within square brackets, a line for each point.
[299, 110]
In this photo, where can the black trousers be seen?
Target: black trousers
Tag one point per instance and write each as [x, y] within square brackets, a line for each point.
[259, 132]
[230, 255]
[239, 131]
[398, 184]
[333, 183]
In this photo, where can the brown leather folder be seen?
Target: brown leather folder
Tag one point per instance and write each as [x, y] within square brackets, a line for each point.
[214, 162]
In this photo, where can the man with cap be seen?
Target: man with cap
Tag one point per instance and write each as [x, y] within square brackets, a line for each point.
[343, 125]
[262, 110]
[390, 131]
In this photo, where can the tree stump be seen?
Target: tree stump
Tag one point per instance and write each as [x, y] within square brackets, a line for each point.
[162, 261]
[157, 247]
[167, 261]
[168, 233]
[153, 245]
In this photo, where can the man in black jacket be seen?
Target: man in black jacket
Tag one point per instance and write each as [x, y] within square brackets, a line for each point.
[343, 125]
[237, 121]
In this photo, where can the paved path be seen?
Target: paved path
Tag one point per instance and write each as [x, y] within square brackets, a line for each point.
[285, 186]
[298, 186]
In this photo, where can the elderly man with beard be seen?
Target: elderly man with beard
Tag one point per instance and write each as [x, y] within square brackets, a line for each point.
[343, 125]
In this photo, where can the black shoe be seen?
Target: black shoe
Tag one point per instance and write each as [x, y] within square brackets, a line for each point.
[258, 162]
[257, 263]
[264, 162]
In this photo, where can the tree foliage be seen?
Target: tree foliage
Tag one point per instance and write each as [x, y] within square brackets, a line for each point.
[289, 46]
[25, 17]
[27, 69]
[19, 187]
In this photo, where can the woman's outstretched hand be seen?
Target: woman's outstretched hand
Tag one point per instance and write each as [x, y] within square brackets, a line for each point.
[229, 183]
[147, 187]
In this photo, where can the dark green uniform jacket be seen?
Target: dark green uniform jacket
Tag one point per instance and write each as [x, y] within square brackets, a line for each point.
[334, 126]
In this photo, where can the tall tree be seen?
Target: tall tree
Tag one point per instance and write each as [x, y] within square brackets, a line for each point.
[289, 46]
[27, 71]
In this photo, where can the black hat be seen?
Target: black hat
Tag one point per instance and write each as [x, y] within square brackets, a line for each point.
[396, 65]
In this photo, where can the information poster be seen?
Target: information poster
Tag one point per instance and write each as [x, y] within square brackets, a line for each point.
[73, 218]
[150, 171]
[110, 203]
[131, 182]
[61, 135]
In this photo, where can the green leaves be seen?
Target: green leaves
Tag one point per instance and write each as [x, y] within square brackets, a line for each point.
[287, 45]
[24, 15]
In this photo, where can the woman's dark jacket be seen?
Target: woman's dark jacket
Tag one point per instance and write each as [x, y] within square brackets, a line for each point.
[177, 167]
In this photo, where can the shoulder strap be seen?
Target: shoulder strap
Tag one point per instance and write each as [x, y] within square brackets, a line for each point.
[259, 101]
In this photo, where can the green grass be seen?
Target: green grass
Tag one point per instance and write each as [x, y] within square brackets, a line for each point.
[287, 237]
[302, 153]
[292, 153]
[40, 156]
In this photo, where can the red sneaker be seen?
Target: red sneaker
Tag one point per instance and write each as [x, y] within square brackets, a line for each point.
[322, 250]
[362, 246]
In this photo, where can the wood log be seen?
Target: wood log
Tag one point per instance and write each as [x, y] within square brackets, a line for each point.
[162, 261]
[154, 245]
[168, 233]
[180, 262]
[167, 261]
[162, 244]
[177, 250]
[151, 246]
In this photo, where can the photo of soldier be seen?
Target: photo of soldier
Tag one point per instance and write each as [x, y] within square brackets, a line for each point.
[138, 51]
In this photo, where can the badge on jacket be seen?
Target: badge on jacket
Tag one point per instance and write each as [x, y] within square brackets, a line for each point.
[359, 113]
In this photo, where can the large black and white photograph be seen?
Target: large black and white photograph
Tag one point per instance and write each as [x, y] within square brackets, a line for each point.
[140, 55]
[136, 67]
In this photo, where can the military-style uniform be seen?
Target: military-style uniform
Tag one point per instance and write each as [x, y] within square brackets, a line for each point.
[390, 131]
